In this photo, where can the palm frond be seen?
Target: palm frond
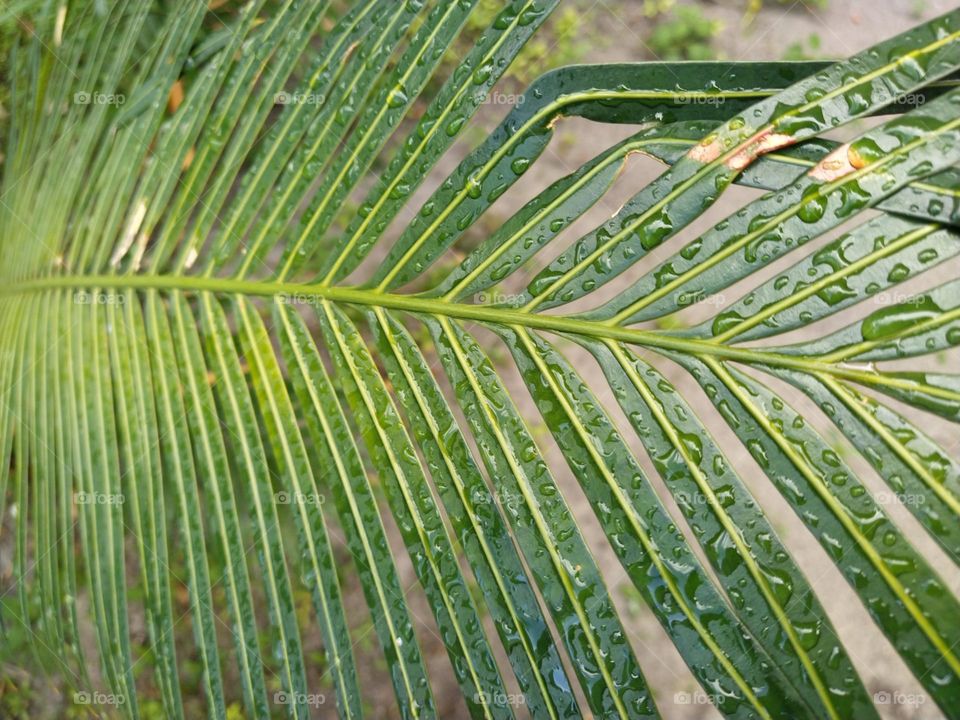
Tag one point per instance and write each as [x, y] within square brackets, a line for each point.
[232, 331]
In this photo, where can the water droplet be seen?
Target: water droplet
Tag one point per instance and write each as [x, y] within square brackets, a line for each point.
[397, 97]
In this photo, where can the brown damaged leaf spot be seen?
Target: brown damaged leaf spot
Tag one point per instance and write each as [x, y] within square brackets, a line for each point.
[762, 142]
[838, 163]
[706, 152]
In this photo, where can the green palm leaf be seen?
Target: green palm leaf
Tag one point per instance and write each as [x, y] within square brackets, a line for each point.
[242, 385]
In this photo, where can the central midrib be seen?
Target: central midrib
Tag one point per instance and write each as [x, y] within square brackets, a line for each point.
[294, 292]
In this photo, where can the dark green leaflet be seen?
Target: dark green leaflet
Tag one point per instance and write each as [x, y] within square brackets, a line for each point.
[913, 326]
[333, 442]
[912, 145]
[295, 127]
[499, 162]
[244, 117]
[547, 215]
[174, 142]
[12, 307]
[132, 19]
[234, 113]
[921, 474]
[934, 392]
[480, 526]
[212, 458]
[21, 492]
[61, 537]
[863, 263]
[8, 372]
[65, 451]
[553, 547]
[894, 582]
[246, 446]
[298, 478]
[37, 447]
[678, 591]
[67, 462]
[372, 37]
[179, 465]
[831, 97]
[136, 124]
[102, 485]
[416, 512]
[374, 126]
[136, 413]
[455, 103]
[39, 575]
[744, 550]
[102, 73]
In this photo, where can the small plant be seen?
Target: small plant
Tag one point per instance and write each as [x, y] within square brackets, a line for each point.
[803, 49]
[684, 34]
